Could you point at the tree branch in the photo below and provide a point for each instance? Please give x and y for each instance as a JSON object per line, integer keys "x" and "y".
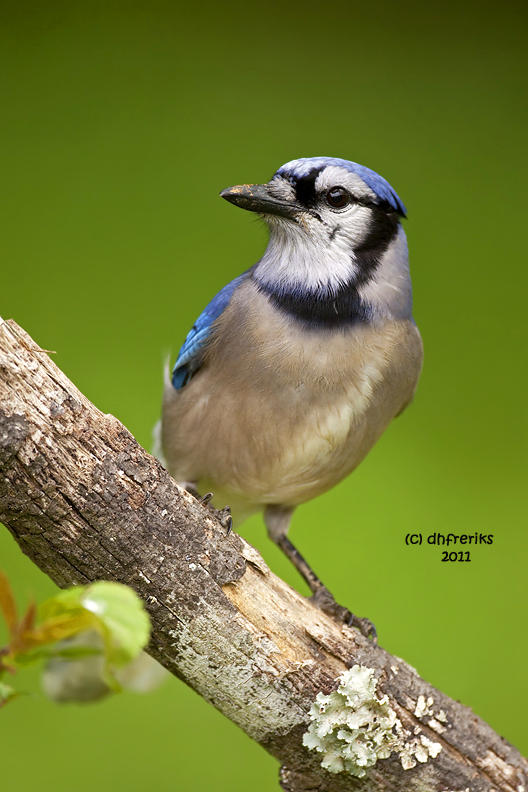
{"x": 85, "y": 502}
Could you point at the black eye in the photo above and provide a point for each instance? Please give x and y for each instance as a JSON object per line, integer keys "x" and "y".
{"x": 337, "y": 197}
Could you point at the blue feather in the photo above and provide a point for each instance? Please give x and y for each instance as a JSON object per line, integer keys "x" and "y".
{"x": 191, "y": 354}
{"x": 301, "y": 167}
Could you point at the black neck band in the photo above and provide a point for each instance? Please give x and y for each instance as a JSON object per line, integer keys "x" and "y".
{"x": 341, "y": 308}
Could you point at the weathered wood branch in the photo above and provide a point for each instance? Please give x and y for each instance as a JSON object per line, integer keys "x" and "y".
{"x": 85, "y": 502}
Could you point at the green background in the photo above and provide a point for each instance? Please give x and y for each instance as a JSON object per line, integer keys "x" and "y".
{"x": 120, "y": 124}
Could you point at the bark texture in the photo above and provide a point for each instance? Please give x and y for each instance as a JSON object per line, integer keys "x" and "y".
{"x": 85, "y": 502}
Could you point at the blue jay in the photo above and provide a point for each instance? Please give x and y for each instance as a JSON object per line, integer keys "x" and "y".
{"x": 296, "y": 367}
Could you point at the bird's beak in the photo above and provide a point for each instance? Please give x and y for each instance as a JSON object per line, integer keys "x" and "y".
{"x": 257, "y": 198}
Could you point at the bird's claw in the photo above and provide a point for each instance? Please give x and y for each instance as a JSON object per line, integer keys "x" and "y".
{"x": 365, "y": 626}
{"x": 224, "y": 515}
{"x": 325, "y": 600}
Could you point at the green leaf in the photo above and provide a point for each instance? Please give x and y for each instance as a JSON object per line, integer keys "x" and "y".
{"x": 65, "y": 603}
{"x": 125, "y": 623}
{"x": 113, "y": 609}
{"x": 111, "y": 613}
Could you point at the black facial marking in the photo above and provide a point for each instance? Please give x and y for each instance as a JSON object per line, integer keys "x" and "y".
{"x": 320, "y": 311}
{"x": 305, "y": 188}
{"x": 385, "y": 206}
{"x": 383, "y": 228}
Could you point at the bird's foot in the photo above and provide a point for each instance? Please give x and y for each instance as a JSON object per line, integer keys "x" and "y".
{"x": 325, "y": 600}
{"x": 224, "y": 515}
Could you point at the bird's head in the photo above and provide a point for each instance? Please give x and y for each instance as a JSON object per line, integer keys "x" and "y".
{"x": 329, "y": 190}
{"x": 330, "y": 221}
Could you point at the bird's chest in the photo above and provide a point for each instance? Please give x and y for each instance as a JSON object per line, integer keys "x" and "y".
{"x": 300, "y": 408}
{"x": 324, "y": 388}
{"x": 331, "y": 374}
{"x": 308, "y": 393}
{"x": 297, "y": 376}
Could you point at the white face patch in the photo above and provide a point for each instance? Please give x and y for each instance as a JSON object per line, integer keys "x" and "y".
{"x": 316, "y": 253}
{"x": 300, "y": 256}
{"x": 352, "y": 223}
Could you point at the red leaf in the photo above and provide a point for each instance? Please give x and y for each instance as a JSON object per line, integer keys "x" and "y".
{"x": 8, "y": 605}
{"x": 27, "y": 623}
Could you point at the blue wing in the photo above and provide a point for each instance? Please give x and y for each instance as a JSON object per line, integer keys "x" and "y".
{"x": 190, "y": 355}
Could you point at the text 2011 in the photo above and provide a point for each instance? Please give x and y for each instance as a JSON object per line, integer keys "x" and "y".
{"x": 462, "y": 556}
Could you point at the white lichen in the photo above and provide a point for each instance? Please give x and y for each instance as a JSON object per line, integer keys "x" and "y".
{"x": 418, "y": 749}
{"x": 421, "y": 707}
{"x": 436, "y": 726}
{"x": 424, "y": 707}
{"x": 353, "y": 728}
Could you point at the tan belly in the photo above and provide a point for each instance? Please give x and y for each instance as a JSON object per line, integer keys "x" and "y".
{"x": 287, "y": 425}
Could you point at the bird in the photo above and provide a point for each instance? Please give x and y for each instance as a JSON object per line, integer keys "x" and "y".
{"x": 297, "y": 366}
